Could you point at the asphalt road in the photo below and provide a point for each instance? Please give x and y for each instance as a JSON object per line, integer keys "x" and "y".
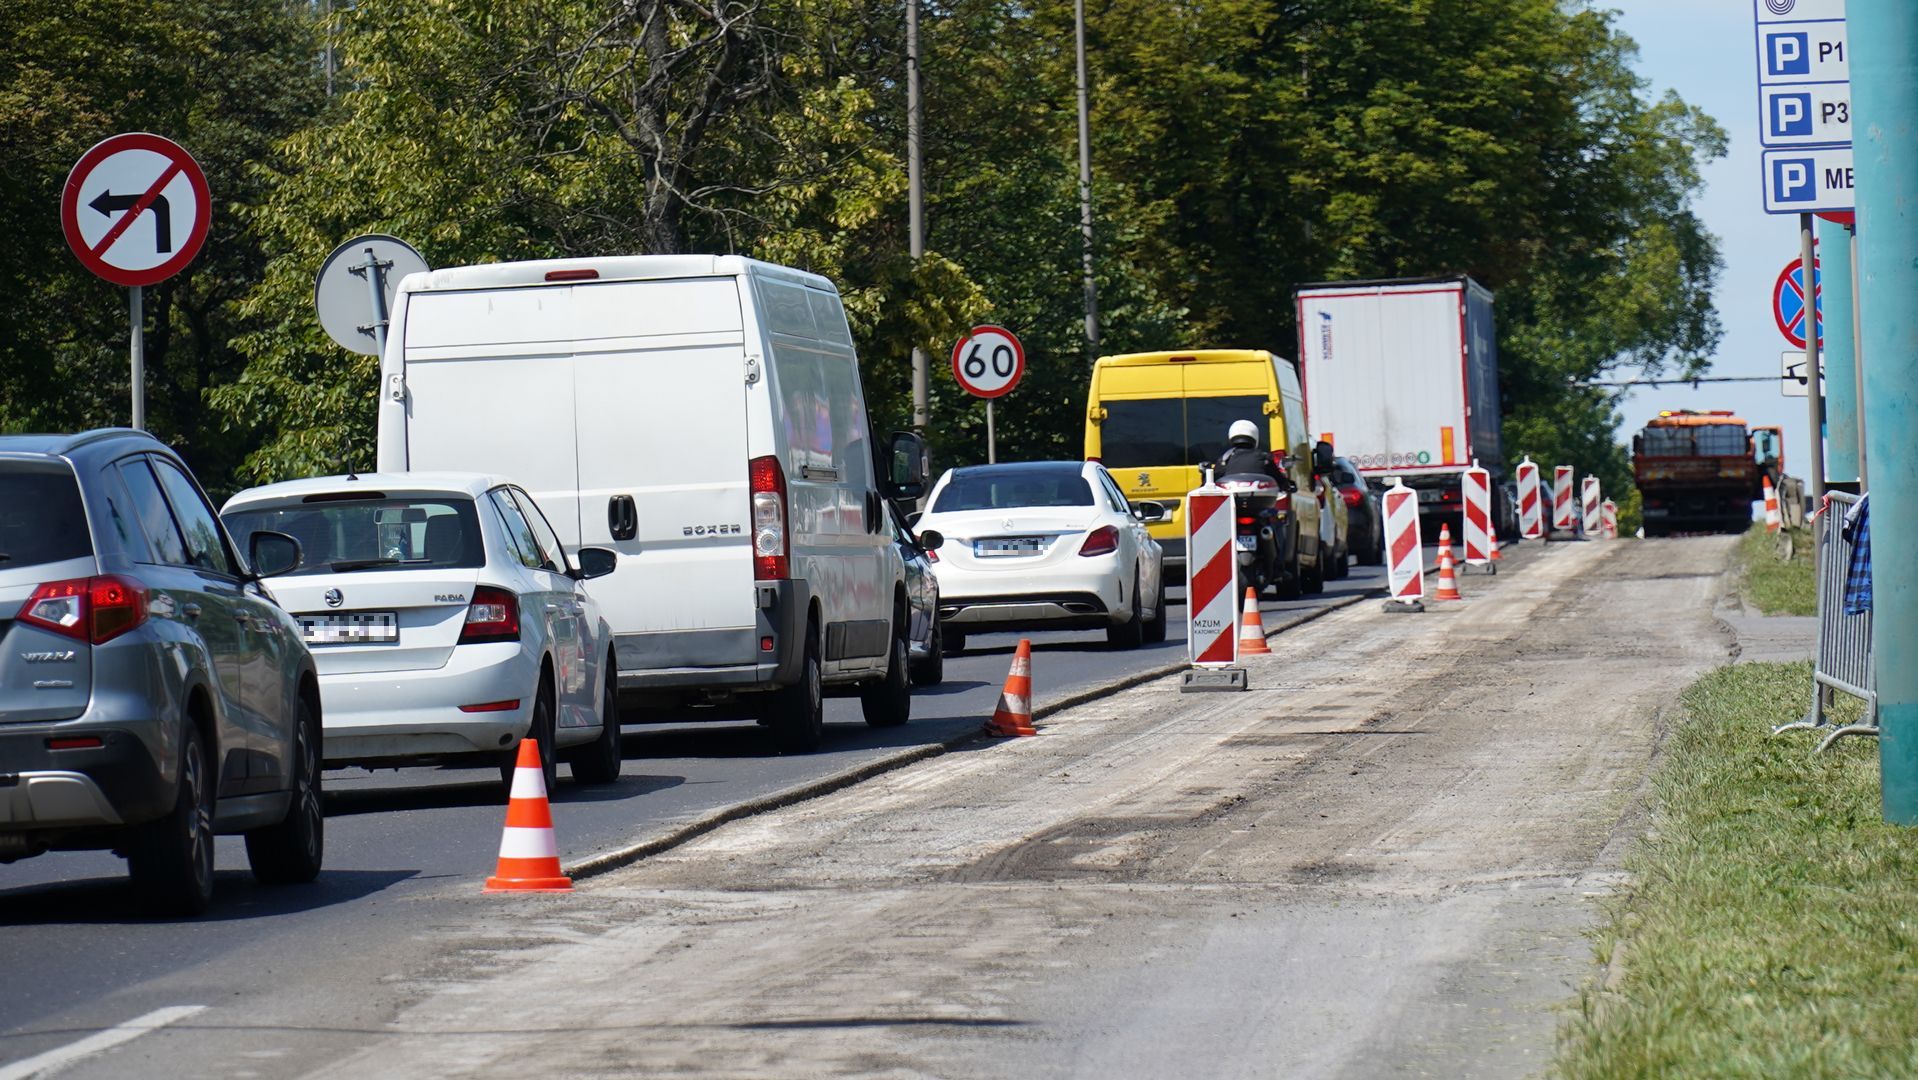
{"x": 402, "y": 845}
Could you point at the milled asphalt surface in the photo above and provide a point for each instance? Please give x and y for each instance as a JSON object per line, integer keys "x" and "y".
{"x": 401, "y": 844}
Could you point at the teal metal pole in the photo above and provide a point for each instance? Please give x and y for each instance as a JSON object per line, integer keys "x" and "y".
{"x": 1841, "y": 386}
{"x": 1883, "y": 35}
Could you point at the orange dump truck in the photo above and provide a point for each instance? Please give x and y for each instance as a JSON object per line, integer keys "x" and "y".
{"x": 1700, "y": 471}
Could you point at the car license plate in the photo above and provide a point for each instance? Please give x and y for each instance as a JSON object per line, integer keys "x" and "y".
{"x": 351, "y": 628}
{"x": 1429, "y": 495}
{"x": 1248, "y": 543}
{"x": 1014, "y": 545}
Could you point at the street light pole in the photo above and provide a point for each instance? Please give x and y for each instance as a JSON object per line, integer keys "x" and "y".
{"x": 1814, "y": 385}
{"x": 1085, "y": 181}
{"x": 916, "y": 201}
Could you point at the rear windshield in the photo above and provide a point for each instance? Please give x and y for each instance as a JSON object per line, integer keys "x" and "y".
{"x": 1148, "y": 433}
{"x": 431, "y": 533}
{"x": 1003, "y": 489}
{"x": 41, "y": 517}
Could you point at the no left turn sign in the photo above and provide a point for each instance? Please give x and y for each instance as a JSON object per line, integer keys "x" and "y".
{"x": 988, "y": 361}
{"x": 136, "y": 209}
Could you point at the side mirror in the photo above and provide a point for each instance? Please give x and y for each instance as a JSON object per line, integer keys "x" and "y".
{"x": 932, "y": 539}
{"x": 594, "y": 562}
{"x": 1322, "y": 457}
{"x": 906, "y": 466}
{"x": 1149, "y": 512}
{"x": 273, "y": 554}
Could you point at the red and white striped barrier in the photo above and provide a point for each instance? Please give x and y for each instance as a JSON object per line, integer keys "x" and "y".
{"x": 1531, "y": 512}
{"x": 1608, "y": 519}
{"x": 1773, "y": 520}
{"x": 1212, "y": 584}
{"x": 1404, "y": 554}
{"x": 1476, "y": 484}
{"x": 1564, "y": 517}
{"x": 1591, "y": 496}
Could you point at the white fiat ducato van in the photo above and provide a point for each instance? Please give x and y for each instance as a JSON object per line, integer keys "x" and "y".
{"x": 702, "y": 416}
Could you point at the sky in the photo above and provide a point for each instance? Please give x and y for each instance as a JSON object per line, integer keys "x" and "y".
{"x": 1705, "y": 50}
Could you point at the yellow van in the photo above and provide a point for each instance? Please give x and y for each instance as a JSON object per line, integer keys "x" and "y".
{"x": 1152, "y": 418}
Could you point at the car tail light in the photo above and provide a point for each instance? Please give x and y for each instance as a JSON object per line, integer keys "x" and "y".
{"x": 1353, "y": 496}
{"x": 1282, "y": 503}
{"x": 95, "y": 609}
{"x": 771, "y": 556}
{"x": 1103, "y": 540}
{"x": 492, "y": 706}
{"x": 1096, "y": 460}
{"x": 492, "y": 616}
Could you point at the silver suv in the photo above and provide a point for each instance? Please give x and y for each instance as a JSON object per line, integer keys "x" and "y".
{"x": 151, "y": 693}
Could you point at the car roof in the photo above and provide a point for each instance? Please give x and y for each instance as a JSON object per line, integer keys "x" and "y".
{"x": 56, "y": 445}
{"x": 409, "y": 483}
{"x": 1017, "y": 467}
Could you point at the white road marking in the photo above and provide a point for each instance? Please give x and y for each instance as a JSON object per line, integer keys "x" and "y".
{"x": 62, "y": 1056}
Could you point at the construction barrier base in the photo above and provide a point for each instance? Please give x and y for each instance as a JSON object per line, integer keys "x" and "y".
{"x": 1404, "y": 607}
{"x": 1212, "y": 680}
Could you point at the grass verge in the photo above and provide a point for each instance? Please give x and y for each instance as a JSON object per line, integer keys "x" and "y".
{"x": 1771, "y": 927}
{"x": 1773, "y": 585}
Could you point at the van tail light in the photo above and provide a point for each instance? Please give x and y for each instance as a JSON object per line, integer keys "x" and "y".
{"x": 1096, "y": 460}
{"x": 1103, "y": 540}
{"x": 492, "y": 616}
{"x": 771, "y": 551}
{"x": 1353, "y": 496}
{"x": 94, "y": 610}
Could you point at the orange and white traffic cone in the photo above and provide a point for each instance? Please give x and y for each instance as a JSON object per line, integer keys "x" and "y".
{"x": 1773, "y": 521}
{"x": 528, "y": 850}
{"x": 1495, "y": 556}
{"x": 1447, "y": 572}
{"x": 1014, "y": 715}
{"x": 1251, "y": 628}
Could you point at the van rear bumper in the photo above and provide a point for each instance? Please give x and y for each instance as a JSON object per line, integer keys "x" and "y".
{"x": 728, "y": 658}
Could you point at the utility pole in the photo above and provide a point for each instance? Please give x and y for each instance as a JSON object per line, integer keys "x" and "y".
{"x": 1085, "y": 182}
{"x": 1858, "y": 365}
{"x": 1884, "y": 96}
{"x": 1841, "y": 384}
{"x": 916, "y": 200}
{"x": 1814, "y": 390}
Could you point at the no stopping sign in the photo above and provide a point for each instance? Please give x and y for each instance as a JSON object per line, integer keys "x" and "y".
{"x": 988, "y": 361}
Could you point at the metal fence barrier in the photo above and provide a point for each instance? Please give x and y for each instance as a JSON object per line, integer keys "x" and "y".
{"x": 1844, "y": 660}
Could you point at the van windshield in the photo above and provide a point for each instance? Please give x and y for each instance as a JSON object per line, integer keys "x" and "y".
{"x": 1146, "y": 433}
{"x": 337, "y": 537}
{"x": 41, "y": 519}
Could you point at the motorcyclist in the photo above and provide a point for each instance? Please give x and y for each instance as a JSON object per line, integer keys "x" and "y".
{"x": 1243, "y": 456}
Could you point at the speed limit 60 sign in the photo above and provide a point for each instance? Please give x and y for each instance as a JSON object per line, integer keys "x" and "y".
{"x": 988, "y": 361}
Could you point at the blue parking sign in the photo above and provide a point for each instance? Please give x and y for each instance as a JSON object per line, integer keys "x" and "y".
{"x": 1794, "y": 180}
{"x": 1788, "y": 54}
{"x": 1790, "y": 115}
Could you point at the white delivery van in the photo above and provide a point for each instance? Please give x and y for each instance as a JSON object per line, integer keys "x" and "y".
{"x": 703, "y": 416}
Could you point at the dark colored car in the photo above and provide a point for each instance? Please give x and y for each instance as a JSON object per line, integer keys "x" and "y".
{"x": 152, "y": 694}
{"x": 1366, "y": 535}
{"x": 925, "y": 643}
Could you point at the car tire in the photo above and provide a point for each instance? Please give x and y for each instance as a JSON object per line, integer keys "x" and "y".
{"x": 888, "y": 702}
{"x": 171, "y": 859}
{"x": 797, "y": 713}
{"x": 541, "y": 732}
{"x": 931, "y": 669}
{"x": 1129, "y": 634}
{"x": 1373, "y": 552}
{"x": 1156, "y": 627}
{"x": 952, "y": 642}
{"x": 290, "y": 853}
{"x": 599, "y": 761}
{"x": 1290, "y": 582}
{"x": 1313, "y": 583}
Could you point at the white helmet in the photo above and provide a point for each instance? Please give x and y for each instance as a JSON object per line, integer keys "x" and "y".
{"x": 1243, "y": 429}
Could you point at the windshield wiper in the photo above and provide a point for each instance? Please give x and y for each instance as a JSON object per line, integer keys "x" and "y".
{"x": 360, "y": 564}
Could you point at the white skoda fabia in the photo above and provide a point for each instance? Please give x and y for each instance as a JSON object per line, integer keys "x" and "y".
{"x": 1043, "y": 545}
{"x": 445, "y": 620}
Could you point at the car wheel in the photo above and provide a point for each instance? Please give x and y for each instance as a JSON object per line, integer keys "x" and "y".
{"x": 1155, "y": 628}
{"x": 1288, "y": 584}
{"x": 888, "y": 703}
{"x": 599, "y": 761}
{"x": 290, "y": 853}
{"x": 1312, "y": 583}
{"x": 171, "y": 860}
{"x": 953, "y": 641}
{"x": 1129, "y": 634}
{"x": 930, "y": 670}
{"x": 541, "y": 732}
{"x": 796, "y": 713}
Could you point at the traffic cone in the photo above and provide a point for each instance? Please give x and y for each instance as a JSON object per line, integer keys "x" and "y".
{"x": 528, "y": 851}
{"x": 1014, "y": 714}
{"x": 1495, "y": 556}
{"x": 1251, "y": 629}
{"x": 1447, "y": 574}
{"x": 1445, "y": 544}
{"x": 1772, "y": 519}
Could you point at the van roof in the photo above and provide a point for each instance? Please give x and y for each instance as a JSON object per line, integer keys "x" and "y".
{"x": 1186, "y": 356}
{"x": 607, "y": 268}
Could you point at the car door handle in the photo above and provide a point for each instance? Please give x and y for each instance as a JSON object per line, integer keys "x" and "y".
{"x": 191, "y": 611}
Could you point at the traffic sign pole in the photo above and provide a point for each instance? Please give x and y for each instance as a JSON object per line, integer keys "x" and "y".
{"x": 1837, "y": 355}
{"x": 136, "y": 318}
{"x": 1885, "y": 92}
{"x": 1814, "y": 390}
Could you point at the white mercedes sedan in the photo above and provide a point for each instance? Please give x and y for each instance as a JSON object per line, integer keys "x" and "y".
{"x": 445, "y": 620}
{"x": 1043, "y": 545}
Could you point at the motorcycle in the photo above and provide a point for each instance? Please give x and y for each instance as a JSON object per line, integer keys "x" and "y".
{"x": 1260, "y": 506}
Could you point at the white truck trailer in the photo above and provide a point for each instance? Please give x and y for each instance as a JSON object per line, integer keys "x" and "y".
{"x": 1401, "y": 377}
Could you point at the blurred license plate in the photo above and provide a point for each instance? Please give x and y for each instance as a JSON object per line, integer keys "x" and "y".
{"x": 1017, "y": 545}
{"x": 1248, "y": 543}
{"x": 1430, "y": 495}
{"x": 351, "y": 628}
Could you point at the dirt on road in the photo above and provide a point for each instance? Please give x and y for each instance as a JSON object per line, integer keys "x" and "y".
{"x": 1378, "y": 862}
